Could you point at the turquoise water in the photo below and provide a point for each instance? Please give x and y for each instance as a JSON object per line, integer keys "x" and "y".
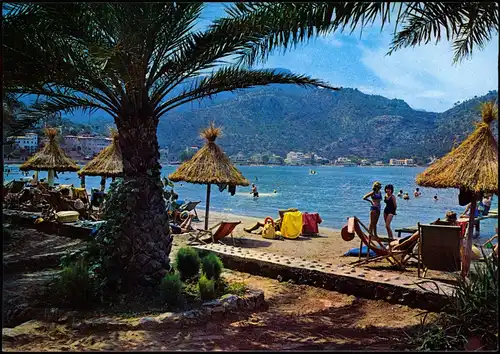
{"x": 334, "y": 192}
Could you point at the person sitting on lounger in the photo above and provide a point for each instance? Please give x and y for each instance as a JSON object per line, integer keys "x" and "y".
{"x": 450, "y": 219}
{"x": 184, "y": 227}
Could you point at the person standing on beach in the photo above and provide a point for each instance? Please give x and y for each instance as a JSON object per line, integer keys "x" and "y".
{"x": 390, "y": 208}
{"x": 376, "y": 198}
{"x": 254, "y": 191}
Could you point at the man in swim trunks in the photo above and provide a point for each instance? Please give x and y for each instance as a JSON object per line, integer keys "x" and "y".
{"x": 254, "y": 191}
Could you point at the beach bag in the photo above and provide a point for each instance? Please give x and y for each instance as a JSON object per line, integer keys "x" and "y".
{"x": 269, "y": 231}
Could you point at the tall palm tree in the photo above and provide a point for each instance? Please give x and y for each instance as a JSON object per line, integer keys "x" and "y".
{"x": 126, "y": 59}
{"x": 467, "y": 24}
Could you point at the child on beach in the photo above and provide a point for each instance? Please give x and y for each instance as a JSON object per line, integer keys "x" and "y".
{"x": 376, "y": 197}
{"x": 390, "y": 208}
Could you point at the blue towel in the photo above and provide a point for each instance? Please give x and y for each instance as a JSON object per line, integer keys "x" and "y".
{"x": 354, "y": 252}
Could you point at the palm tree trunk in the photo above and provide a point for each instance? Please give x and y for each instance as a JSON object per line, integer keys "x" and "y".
{"x": 143, "y": 242}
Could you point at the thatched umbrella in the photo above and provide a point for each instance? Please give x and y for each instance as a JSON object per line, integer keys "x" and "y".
{"x": 472, "y": 167}
{"x": 51, "y": 158}
{"x": 108, "y": 163}
{"x": 209, "y": 166}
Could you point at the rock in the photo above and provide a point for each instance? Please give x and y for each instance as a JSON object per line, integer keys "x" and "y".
{"x": 27, "y": 331}
{"x": 230, "y": 302}
{"x": 218, "y": 309}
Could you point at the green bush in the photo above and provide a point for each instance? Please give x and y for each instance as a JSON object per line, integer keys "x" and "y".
{"x": 171, "y": 288}
{"x": 76, "y": 285}
{"x": 211, "y": 266}
{"x": 472, "y": 313}
{"x": 207, "y": 288}
{"x": 236, "y": 288}
{"x": 188, "y": 262}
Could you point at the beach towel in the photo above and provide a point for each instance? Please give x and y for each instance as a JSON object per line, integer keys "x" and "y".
{"x": 291, "y": 225}
{"x": 310, "y": 223}
{"x": 354, "y": 252}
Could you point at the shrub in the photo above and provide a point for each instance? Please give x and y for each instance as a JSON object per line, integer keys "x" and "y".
{"x": 207, "y": 288}
{"x": 211, "y": 266}
{"x": 472, "y": 313}
{"x": 188, "y": 262}
{"x": 76, "y": 285}
{"x": 236, "y": 288}
{"x": 171, "y": 288}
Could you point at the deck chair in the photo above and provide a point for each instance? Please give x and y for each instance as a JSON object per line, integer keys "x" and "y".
{"x": 15, "y": 186}
{"x": 57, "y": 202}
{"x": 224, "y": 228}
{"x": 190, "y": 206}
{"x": 398, "y": 255}
{"x": 439, "y": 248}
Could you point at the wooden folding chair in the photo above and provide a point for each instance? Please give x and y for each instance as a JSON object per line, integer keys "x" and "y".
{"x": 439, "y": 248}
{"x": 224, "y": 228}
{"x": 190, "y": 206}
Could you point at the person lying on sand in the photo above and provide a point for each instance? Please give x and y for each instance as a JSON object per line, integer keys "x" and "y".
{"x": 259, "y": 224}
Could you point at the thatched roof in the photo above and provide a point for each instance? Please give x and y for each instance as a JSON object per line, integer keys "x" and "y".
{"x": 209, "y": 165}
{"x": 108, "y": 162}
{"x": 51, "y": 157}
{"x": 473, "y": 165}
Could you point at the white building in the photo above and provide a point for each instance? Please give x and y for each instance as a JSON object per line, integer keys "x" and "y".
{"x": 295, "y": 158}
{"x": 257, "y": 158}
{"x": 28, "y": 142}
{"x": 379, "y": 163}
{"x": 275, "y": 160}
{"x": 238, "y": 158}
{"x": 365, "y": 162}
{"x": 401, "y": 162}
{"x": 88, "y": 145}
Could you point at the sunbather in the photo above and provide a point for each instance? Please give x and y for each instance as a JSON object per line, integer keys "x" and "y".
{"x": 259, "y": 224}
{"x": 450, "y": 219}
{"x": 184, "y": 227}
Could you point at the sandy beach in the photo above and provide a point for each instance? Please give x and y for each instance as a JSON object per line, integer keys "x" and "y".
{"x": 327, "y": 246}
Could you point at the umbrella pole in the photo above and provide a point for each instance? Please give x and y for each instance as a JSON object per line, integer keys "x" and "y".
{"x": 468, "y": 250}
{"x": 36, "y": 175}
{"x": 82, "y": 181}
{"x": 51, "y": 178}
{"x": 103, "y": 183}
{"x": 207, "y": 206}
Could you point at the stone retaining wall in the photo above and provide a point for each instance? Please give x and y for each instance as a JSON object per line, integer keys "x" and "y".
{"x": 350, "y": 282}
{"x": 252, "y": 300}
{"x": 27, "y": 219}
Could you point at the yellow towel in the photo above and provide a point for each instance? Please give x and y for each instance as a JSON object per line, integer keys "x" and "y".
{"x": 291, "y": 226}
{"x": 80, "y": 193}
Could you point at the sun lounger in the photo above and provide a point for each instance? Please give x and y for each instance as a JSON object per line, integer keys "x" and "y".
{"x": 225, "y": 228}
{"x": 439, "y": 248}
{"x": 397, "y": 255}
{"x": 190, "y": 206}
{"x": 15, "y": 186}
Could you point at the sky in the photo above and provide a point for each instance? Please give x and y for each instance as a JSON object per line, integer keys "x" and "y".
{"x": 424, "y": 76}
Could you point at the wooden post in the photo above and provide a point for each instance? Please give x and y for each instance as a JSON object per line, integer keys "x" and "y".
{"x": 51, "y": 178}
{"x": 82, "y": 181}
{"x": 103, "y": 183}
{"x": 36, "y": 175}
{"x": 468, "y": 249}
{"x": 207, "y": 206}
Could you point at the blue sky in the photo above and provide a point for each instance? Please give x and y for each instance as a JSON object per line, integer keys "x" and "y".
{"x": 423, "y": 76}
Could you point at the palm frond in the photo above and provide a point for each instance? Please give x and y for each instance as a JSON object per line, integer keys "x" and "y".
{"x": 231, "y": 79}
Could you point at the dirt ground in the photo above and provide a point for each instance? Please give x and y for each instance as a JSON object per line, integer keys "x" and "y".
{"x": 299, "y": 317}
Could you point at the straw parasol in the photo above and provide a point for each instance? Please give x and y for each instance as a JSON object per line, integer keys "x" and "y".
{"x": 209, "y": 166}
{"x": 108, "y": 163}
{"x": 51, "y": 158}
{"x": 472, "y": 166}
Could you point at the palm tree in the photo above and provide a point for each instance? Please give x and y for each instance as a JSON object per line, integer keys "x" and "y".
{"x": 467, "y": 24}
{"x": 127, "y": 60}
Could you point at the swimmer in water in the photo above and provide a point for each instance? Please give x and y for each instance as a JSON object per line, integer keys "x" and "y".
{"x": 254, "y": 191}
{"x": 274, "y": 191}
{"x": 435, "y": 198}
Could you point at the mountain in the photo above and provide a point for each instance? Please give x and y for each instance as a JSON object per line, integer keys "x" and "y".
{"x": 281, "y": 118}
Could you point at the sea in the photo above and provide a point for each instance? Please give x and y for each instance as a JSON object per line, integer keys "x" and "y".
{"x": 333, "y": 192}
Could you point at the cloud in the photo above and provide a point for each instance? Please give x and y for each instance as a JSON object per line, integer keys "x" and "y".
{"x": 425, "y": 77}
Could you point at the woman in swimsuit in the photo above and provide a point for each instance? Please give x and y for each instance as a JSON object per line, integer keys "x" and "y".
{"x": 376, "y": 197}
{"x": 390, "y": 208}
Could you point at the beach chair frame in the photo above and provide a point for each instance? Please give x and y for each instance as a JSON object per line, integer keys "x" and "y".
{"x": 224, "y": 228}
{"x": 190, "y": 206}
{"x": 396, "y": 258}
{"x": 441, "y": 249}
